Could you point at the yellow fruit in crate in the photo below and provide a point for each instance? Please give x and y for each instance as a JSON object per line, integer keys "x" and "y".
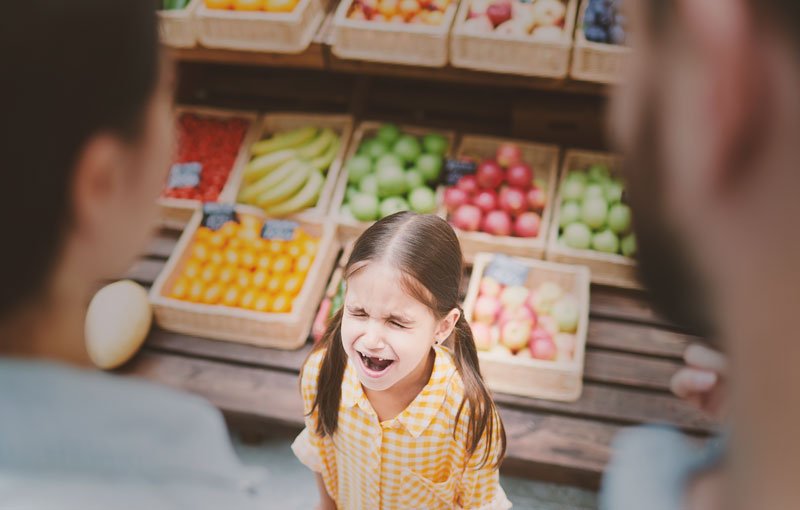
{"x": 216, "y": 240}
{"x": 227, "y": 274}
{"x": 229, "y": 229}
{"x": 409, "y": 8}
{"x": 275, "y": 247}
{"x": 231, "y": 296}
{"x": 247, "y": 5}
{"x": 388, "y": 8}
{"x": 232, "y": 257}
{"x": 248, "y": 299}
{"x": 274, "y": 284}
{"x": 192, "y": 269}
{"x": 209, "y": 274}
{"x": 303, "y": 263}
{"x": 244, "y": 279}
{"x": 293, "y": 284}
{"x": 259, "y": 245}
{"x": 282, "y": 304}
{"x": 200, "y": 252}
{"x": 281, "y": 265}
{"x": 236, "y": 243}
{"x": 247, "y": 259}
{"x": 196, "y": 290}
{"x": 264, "y": 262}
{"x": 294, "y": 250}
{"x": 181, "y": 289}
{"x": 219, "y": 4}
{"x": 310, "y": 247}
{"x": 263, "y": 303}
{"x": 260, "y": 279}
{"x": 203, "y": 234}
{"x": 280, "y": 5}
{"x": 212, "y": 294}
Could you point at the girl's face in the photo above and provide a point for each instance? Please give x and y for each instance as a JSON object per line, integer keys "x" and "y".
{"x": 386, "y": 333}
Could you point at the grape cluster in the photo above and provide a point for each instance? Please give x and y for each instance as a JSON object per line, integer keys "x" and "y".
{"x": 604, "y": 22}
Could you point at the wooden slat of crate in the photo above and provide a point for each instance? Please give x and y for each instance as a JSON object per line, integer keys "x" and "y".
{"x": 601, "y": 63}
{"x": 177, "y": 28}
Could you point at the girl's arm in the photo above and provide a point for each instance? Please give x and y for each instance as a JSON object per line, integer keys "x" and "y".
{"x": 325, "y": 500}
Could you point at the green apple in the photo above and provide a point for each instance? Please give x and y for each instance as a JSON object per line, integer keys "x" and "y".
{"x": 364, "y": 207}
{"x": 392, "y": 205}
{"x": 391, "y": 181}
{"x": 369, "y": 185}
{"x": 422, "y": 200}
{"x": 594, "y": 212}
{"x": 414, "y": 178}
{"x": 348, "y": 194}
{"x": 365, "y": 146}
{"x": 578, "y": 236}
{"x": 628, "y": 245}
{"x": 407, "y": 147}
{"x": 430, "y": 167}
{"x": 598, "y": 173}
{"x": 570, "y": 213}
{"x": 619, "y": 218}
{"x": 577, "y": 175}
{"x": 357, "y": 168}
{"x": 613, "y": 191}
{"x": 606, "y": 242}
{"x": 346, "y": 213}
{"x": 388, "y": 160}
{"x": 573, "y": 189}
{"x": 435, "y": 144}
{"x": 377, "y": 149}
{"x": 388, "y": 134}
{"x": 594, "y": 191}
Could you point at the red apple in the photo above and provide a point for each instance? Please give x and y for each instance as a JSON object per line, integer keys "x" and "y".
{"x": 543, "y": 347}
{"x": 523, "y": 314}
{"x": 468, "y": 183}
{"x": 467, "y": 217}
{"x": 455, "y": 198}
{"x": 489, "y": 287}
{"x": 508, "y": 153}
{"x": 520, "y": 175}
{"x": 512, "y": 201}
{"x": 497, "y": 223}
{"x": 548, "y": 324}
{"x": 527, "y": 224}
{"x": 490, "y": 175}
{"x": 486, "y": 309}
{"x": 482, "y": 334}
{"x": 537, "y": 199}
{"x": 516, "y": 334}
{"x": 499, "y": 12}
{"x": 486, "y": 200}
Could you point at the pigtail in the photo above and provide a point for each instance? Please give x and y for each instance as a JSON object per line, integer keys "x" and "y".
{"x": 484, "y": 420}
{"x": 329, "y": 382}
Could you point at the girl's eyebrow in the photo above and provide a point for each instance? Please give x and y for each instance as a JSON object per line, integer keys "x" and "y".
{"x": 398, "y": 318}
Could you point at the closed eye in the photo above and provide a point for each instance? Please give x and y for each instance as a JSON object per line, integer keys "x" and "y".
{"x": 357, "y": 312}
{"x": 398, "y": 325}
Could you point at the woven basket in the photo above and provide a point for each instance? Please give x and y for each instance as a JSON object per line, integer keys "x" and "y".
{"x": 544, "y": 159}
{"x": 500, "y": 53}
{"x": 393, "y": 43}
{"x": 553, "y": 380}
{"x": 607, "y": 268}
{"x": 289, "y": 32}
{"x": 603, "y": 63}
{"x": 276, "y": 330}
{"x": 177, "y": 27}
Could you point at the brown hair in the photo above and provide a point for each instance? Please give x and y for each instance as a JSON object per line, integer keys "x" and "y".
{"x": 427, "y": 252}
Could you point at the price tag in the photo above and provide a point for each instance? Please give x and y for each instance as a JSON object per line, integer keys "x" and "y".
{"x": 281, "y": 230}
{"x": 455, "y": 169}
{"x": 215, "y": 215}
{"x": 184, "y": 175}
{"x": 507, "y": 271}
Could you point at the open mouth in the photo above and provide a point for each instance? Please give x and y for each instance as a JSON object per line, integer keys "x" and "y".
{"x": 375, "y": 364}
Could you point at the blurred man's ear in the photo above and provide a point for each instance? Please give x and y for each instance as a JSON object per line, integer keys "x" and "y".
{"x": 723, "y": 35}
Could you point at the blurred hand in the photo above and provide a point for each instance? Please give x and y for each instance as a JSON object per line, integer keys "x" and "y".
{"x": 701, "y": 382}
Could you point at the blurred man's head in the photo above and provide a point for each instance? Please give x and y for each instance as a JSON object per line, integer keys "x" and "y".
{"x": 709, "y": 120}
{"x": 86, "y": 139}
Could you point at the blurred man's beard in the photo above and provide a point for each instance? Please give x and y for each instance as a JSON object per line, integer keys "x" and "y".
{"x": 664, "y": 264}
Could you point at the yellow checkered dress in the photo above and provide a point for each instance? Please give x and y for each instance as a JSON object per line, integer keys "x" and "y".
{"x": 410, "y": 462}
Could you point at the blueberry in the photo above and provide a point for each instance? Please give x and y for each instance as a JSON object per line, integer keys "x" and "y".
{"x": 617, "y": 35}
{"x": 590, "y": 18}
{"x": 620, "y": 20}
{"x": 596, "y": 34}
{"x": 605, "y": 19}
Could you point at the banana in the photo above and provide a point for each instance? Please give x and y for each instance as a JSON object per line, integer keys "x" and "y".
{"x": 284, "y": 140}
{"x": 318, "y": 146}
{"x": 306, "y": 197}
{"x": 250, "y": 193}
{"x": 286, "y": 187}
{"x": 322, "y": 163}
{"x": 263, "y": 165}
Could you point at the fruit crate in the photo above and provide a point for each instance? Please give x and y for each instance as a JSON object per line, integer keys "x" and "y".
{"x": 176, "y": 212}
{"x": 528, "y": 377}
{"x": 544, "y": 160}
{"x": 591, "y": 61}
{"x": 349, "y": 228}
{"x": 341, "y": 124}
{"x": 512, "y": 54}
{"x": 177, "y": 27}
{"x": 264, "y": 329}
{"x": 607, "y": 268}
{"x": 289, "y": 32}
{"x": 393, "y": 43}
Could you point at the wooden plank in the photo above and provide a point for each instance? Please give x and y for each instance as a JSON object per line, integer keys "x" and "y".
{"x": 629, "y": 370}
{"x": 625, "y": 305}
{"x": 312, "y": 58}
{"x": 637, "y": 338}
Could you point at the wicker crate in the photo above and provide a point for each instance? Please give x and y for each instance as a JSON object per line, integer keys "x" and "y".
{"x": 603, "y": 63}
{"x": 289, "y": 32}
{"x": 500, "y": 53}
{"x": 177, "y": 27}
{"x": 349, "y": 229}
{"x": 174, "y": 212}
{"x": 276, "y": 330}
{"x": 554, "y": 380}
{"x": 393, "y": 43}
{"x": 544, "y": 160}
{"x": 607, "y": 268}
{"x": 342, "y": 124}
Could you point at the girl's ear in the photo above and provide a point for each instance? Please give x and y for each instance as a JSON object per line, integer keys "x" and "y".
{"x": 445, "y": 327}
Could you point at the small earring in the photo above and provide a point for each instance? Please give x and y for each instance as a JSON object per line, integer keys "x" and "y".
{"x": 437, "y": 341}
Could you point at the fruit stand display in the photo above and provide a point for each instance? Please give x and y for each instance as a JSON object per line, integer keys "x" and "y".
{"x": 388, "y": 169}
{"x": 412, "y": 32}
{"x": 236, "y": 275}
{"x": 530, "y": 321}
{"x": 591, "y": 224}
{"x": 212, "y": 150}
{"x": 282, "y": 26}
{"x": 600, "y": 52}
{"x": 505, "y": 206}
{"x": 176, "y": 23}
{"x": 512, "y": 36}
{"x": 295, "y": 165}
